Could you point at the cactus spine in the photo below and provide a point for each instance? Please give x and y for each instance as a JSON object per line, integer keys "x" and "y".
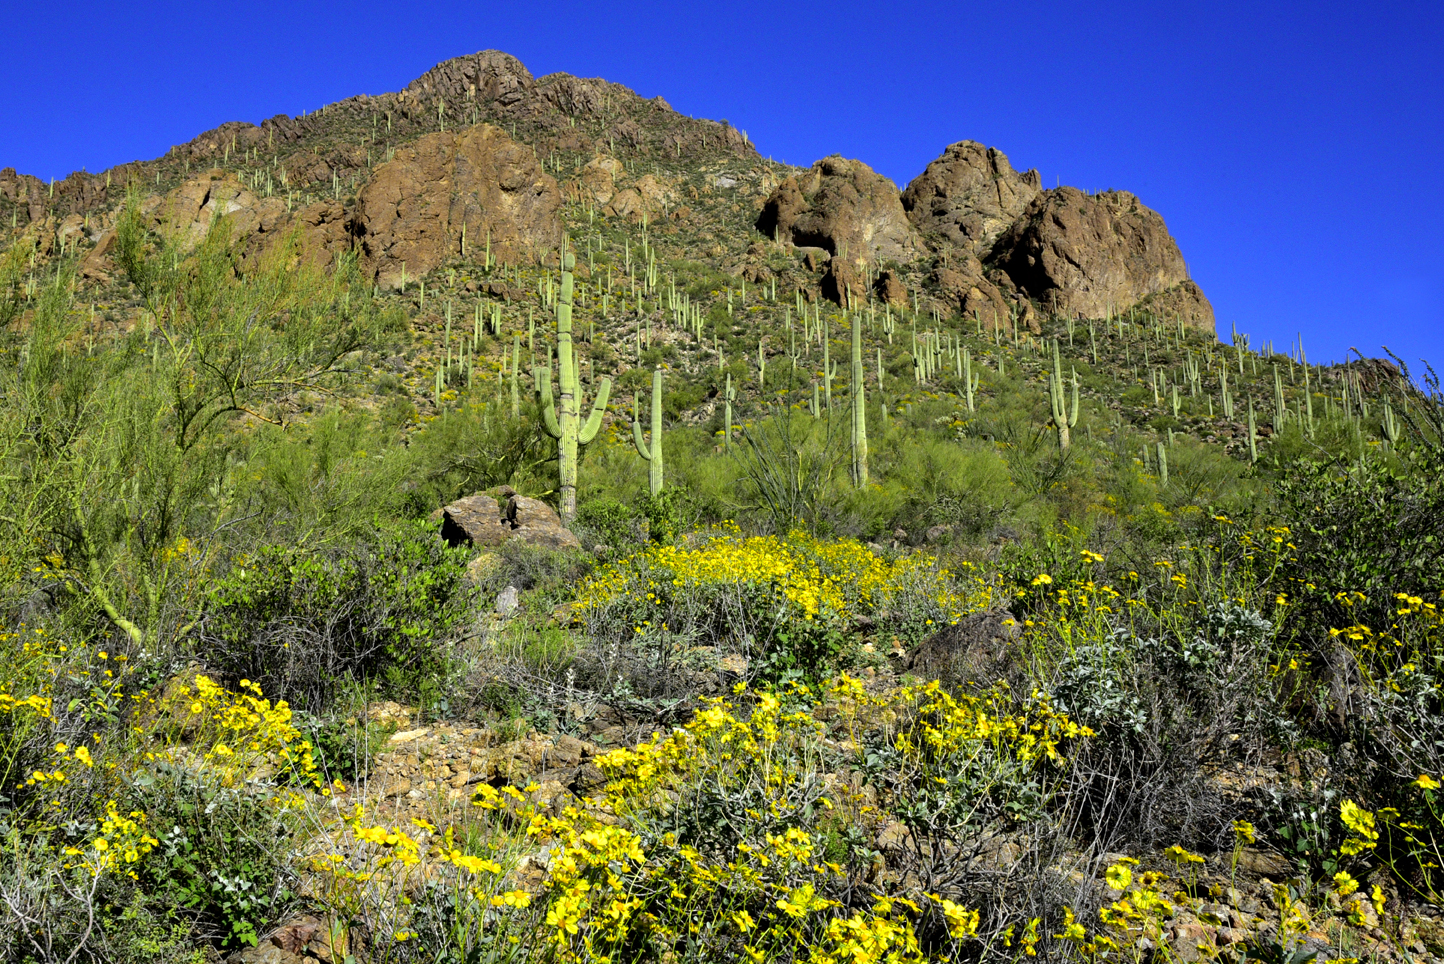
{"x": 1061, "y": 416}
{"x": 652, "y": 453}
{"x": 859, "y": 407}
{"x": 560, "y": 417}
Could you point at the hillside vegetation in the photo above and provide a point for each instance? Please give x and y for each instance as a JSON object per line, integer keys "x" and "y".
{"x": 508, "y": 520}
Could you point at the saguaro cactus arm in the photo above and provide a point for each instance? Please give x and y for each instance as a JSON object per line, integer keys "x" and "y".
{"x": 546, "y": 405}
{"x": 593, "y": 423}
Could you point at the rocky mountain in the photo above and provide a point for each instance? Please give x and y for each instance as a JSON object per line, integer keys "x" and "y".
{"x": 479, "y": 153}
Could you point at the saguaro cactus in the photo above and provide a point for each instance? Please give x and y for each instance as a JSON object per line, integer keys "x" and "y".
{"x": 1061, "y": 416}
{"x": 970, "y": 381}
{"x": 728, "y": 394}
{"x": 560, "y": 417}
{"x": 652, "y": 453}
{"x": 515, "y": 364}
{"x": 1390, "y": 424}
{"x": 859, "y": 407}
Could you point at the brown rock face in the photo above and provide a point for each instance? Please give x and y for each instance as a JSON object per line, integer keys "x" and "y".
{"x": 965, "y": 288}
{"x": 1087, "y": 255}
{"x": 186, "y": 213}
{"x": 475, "y": 519}
{"x": 416, "y": 205}
{"x": 843, "y": 206}
{"x": 841, "y": 283}
{"x": 890, "y": 289}
{"x": 968, "y": 196}
{"x": 258, "y": 225}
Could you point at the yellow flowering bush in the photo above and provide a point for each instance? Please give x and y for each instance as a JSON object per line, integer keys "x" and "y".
{"x": 791, "y": 601}
{"x": 737, "y": 836}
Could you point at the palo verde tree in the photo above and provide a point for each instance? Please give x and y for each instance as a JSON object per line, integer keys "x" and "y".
{"x": 119, "y": 457}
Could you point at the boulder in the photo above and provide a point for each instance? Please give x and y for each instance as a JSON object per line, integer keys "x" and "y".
{"x": 478, "y": 520}
{"x": 1090, "y": 254}
{"x": 534, "y": 522}
{"x": 475, "y": 519}
{"x": 843, "y": 206}
{"x": 507, "y": 601}
{"x": 412, "y": 213}
{"x": 968, "y": 196}
{"x": 977, "y": 648}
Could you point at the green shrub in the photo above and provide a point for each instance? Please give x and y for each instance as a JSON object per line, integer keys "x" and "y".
{"x": 297, "y": 621}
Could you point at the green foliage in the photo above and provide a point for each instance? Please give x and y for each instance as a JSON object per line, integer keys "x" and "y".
{"x": 223, "y": 857}
{"x": 296, "y": 620}
{"x": 607, "y": 522}
{"x": 1374, "y": 527}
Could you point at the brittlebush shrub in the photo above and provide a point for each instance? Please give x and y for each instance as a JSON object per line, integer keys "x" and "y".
{"x": 791, "y": 603}
{"x": 737, "y": 837}
{"x": 190, "y": 806}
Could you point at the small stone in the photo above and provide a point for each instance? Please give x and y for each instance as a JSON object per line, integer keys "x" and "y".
{"x": 507, "y": 601}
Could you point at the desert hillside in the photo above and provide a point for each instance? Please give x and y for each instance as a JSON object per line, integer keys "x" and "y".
{"x": 509, "y": 520}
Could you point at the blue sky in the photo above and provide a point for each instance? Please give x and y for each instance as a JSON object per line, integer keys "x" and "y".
{"x": 1295, "y": 150}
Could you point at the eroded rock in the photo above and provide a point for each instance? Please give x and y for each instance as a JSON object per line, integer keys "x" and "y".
{"x": 844, "y": 207}
{"x": 968, "y": 196}
{"x": 412, "y": 214}
{"x": 1090, "y": 254}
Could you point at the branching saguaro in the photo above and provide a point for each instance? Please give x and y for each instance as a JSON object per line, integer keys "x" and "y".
{"x": 560, "y": 416}
{"x": 1062, "y": 417}
{"x": 651, "y": 453}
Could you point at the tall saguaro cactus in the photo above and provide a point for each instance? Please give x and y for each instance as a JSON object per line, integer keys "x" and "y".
{"x": 560, "y": 417}
{"x": 652, "y": 453}
{"x": 859, "y": 407}
{"x": 970, "y": 381}
{"x": 1061, "y": 416}
{"x": 728, "y": 395}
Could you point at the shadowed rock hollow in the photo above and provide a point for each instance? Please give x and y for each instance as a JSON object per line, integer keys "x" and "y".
{"x": 843, "y": 206}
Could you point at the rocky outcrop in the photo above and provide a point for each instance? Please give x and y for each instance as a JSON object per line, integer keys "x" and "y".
{"x": 841, "y": 282}
{"x": 843, "y": 206}
{"x": 257, "y": 225}
{"x": 968, "y": 196}
{"x": 1086, "y": 255}
{"x": 479, "y": 520}
{"x": 1184, "y": 301}
{"x": 965, "y": 288}
{"x": 413, "y": 212}
{"x": 186, "y": 214}
{"x": 890, "y": 289}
